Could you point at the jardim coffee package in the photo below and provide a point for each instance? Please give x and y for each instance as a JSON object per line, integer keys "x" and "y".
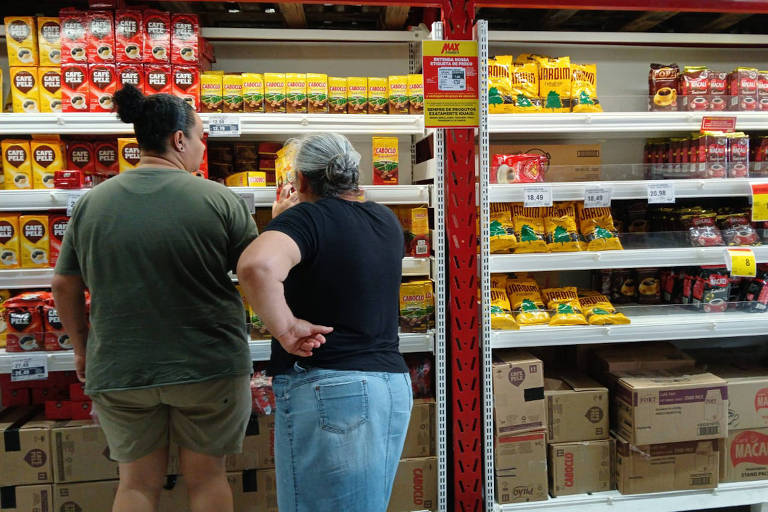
{"x": 185, "y": 34}
{"x": 22, "y": 41}
{"x": 74, "y": 36}
{"x": 157, "y": 79}
{"x": 102, "y": 87}
{"x": 25, "y": 90}
{"x": 101, "y": 37}
{"x": 49, "y": 41}
{"x": 74, "y": 87}
{"x": 50, "y": 89}
{"x": 132, "y": 74}
{"x": 157, "y": 37}
{"x": 129, "y": 36}
{"x": 186, "y": 84}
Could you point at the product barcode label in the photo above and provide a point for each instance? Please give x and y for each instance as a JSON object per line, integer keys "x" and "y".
{"x": 421, "y": 248}
{"x": 701, "y": 480}
{"x": 709, "y": 430}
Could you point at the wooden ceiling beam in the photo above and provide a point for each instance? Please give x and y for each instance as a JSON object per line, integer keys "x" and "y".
{"x": 647, "y": 21}
{"x": 293, "y": 14}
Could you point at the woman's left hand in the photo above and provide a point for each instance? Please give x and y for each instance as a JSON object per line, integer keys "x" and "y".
{"x": 288, "y": 198}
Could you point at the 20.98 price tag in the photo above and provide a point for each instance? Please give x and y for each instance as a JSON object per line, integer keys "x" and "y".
{"x": 741, "y": 262}
{"x": 597, "y": 197}
{"x": 661, "y": 193}
{"x": 535, "y": 197}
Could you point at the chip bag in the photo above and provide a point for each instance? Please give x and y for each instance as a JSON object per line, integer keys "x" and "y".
{"x": 525, "y": 297}
{"x": 600, "y": 311}
{"x": 584, "y": 88}
{"x": 501, "y": 314}
{"x": 529, "y": 229}
{"x": 560, "y": 225}
{"x": 524, "y": 87}
{"x": 597, "y": 228}
{"x": 502, "y": 233}
{"x": 500, "y": 98}
{"x": 564, "y": 302}
{"x": 555, "y": 83}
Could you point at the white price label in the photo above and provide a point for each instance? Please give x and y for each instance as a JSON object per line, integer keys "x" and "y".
{"x": 661, "y": 193}
{"x": 72, "y": 199}
{"x": 249, "y": 200}
{"x": 597, "y": 197}
{"x": 227, "y": 125}
{"x": 537, "y": 196}
{"x": 32, "y": 367}
{"x": 451, "y": 79}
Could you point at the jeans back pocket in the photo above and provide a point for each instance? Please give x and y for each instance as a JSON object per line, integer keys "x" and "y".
{"x": 343, "y": 406}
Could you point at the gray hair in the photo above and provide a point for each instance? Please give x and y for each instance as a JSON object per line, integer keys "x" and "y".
{"x": 329, "y": 162}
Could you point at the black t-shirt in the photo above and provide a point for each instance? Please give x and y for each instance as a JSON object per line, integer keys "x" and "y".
{"x": 349, "y": 279}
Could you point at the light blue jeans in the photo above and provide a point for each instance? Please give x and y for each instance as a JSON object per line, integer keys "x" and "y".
{"x": 338, "y": 438}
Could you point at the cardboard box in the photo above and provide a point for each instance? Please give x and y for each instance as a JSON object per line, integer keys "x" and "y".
{"x": 747, "y": 396}
{"x": 85, "y": 496}
{"x": 420, "y": 438}
{"x": 49, "y": 41}
{"x": 81, "y": 452}
{"x": 50, "y": 89}
{"x": 25, "y": 448}
{"x": 666, "y": 467}
{"x": 185, "y": 35}
{"x": 670, "y": 406}
{"x": 521, "y": 468}
{"x": 74, "y": 87}
{"x": 518, "y": 392}
{"x": 47, "y": 158}
{"x": 17, "y": 164}
{"x": 101, "y": 37}
{"x": 34, "y": 241}
{"x": 130, "y": 74}
{"x": 582, "y": 467}
{"x": 252, "y": 491}
{"x": 74, "y": 36}
{"x": 186, "y": 85}
{"x": 129, "y": 36}
{"x": 398, "y": 94}
{"x": 128, "y": 154}
{"x": 22, "y": 41}
{"x": 157, "y": 37}
{"x": 25, "y": 90}
{"x": 27, "y": 498}
{"x": 613, "y": 359}
{"x": 415, "y": 486}
{"x": 744, "y": 455}
{"x": 158, "y": 79}
{"x": 518, "y": 452}
{"x": 577, "y": 409}
{"x": 567, "y": 162}
{"x": 102, "y": 86}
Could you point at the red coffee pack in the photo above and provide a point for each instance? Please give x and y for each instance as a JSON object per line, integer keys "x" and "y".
{"x": 738, "y": 155}
{"x": 157, "y": 79}
{"x": 185, "y": 34}
{"x": 74, "y": 87}
{"x": 80, "y": 157}
{"x": 716, "y": 144}
{"x": 694, "y": 88}
{"x": 74, "y": 36}
{"x": 57, "y": 225}
{"x": 186, "y": 84}
{"x": 105, "y": 153}
{"x": 157, "y": 37}
{"x": 662, "y": 87}
{"x": 129, "y": 36}
{"x": 102, "y": 87}
{"x": 101, "y": 37}
{"x": 762, "y": 90}
{"x": 742, "y": 84}
{"x": 718, "y": 91}
{"x": 130, "y": 74}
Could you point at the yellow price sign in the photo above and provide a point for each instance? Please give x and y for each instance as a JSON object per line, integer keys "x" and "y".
{"x": 742, "y": 262}
{"x": 759, "y": 202}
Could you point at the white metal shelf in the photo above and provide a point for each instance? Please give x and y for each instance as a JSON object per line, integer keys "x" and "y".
{"x": 250, "y": 124}
{"x": 726, "y": 495}
{"x": 627, "y": 38}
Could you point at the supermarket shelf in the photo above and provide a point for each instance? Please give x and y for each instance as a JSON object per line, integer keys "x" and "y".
{"x": 251, "y": 124}
{"x": 627, "y": 38}
{"x": 417, "y": 267}
{"x": 617, "y": 123}
{"x": 632, "y": 258}
{"x": 652, "y": 327}
{"x": 327, "y": 36}
{"x": 638, "y": 189}
{"x": 260, "y": 351}
{"x": 726, "y": 495}
{"x": 29, "y": 200}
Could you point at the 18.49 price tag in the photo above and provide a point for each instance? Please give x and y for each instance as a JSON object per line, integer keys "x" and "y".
{"x": 535, "y": 197}
{"x": 597, "y": 197}
{"x": 741, "y": 262}
{"x": 661, "y": 193}
{"x": 32, "y": 367}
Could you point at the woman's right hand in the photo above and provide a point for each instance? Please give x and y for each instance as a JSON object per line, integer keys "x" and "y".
{"x": 288, "y": 198}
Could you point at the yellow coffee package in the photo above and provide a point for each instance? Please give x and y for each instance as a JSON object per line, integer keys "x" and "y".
{"x": 247, "y": 179}
{"x": 211, "y": 91}
{"x": 9, "y": 242}
{"x": 284, "y": 170}
{"x": 565, "y": 306}
{"x": 47, "y": 158}
{"x": 50, "y": 89}
{"x": 21, "y": 38}
{"x": 413, "y": 308}
{"x": 524, "y": 87}
{"x": 17, "y": 164}
{"x": 274, "y": 92}
{"x": 128, "y": 154}
{"x": 385, "y": 161}
{"x": 525, "y": 297}
{"x": 529, "y": 229}
{"x": 600, "y": 311}
{"x": 500, "y": 99}
{"x": 555, "y": 84}
{"x": 525, "y": 58}
{"x": 502, "y": 232}
{"x": 584, "y": 88}
{"x": 33, "y": 230}
{"x": 378, "y": 90}
{"x": 561, "y": 228}
{"x": 25, "y": 90}
{"x": 597, "y": 229}
{"x": 232, "y": 89}
{"x": 398, "y": 94}
{"x": 317, "y": 93}
{"x": 499, "y": 281}
{"x": 416, "y": 94}
{"x": 357, "y": 94}
{"x": 296, "y": 93}
{"x": 253, "y": 92}
{"x": 337, "y": 95}
{"x": 501, "y": 312}
{"x": 429, "y": 301}
{"x": 49, "y": 41}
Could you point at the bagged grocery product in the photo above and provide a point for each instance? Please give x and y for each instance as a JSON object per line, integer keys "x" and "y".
{"x": 357, "y": 95}
{"x": 737, "y": 229}
{"x": 501, "y": 312}
{"x": 337, "y": 95}
{"x": 253, "y": 92}
{"x": 702, "y": 229}
{"x": 502, "y": 232}
{"x": 597, "y": 228}
{"x": 711, "y": 289}
{"x": 21, "y": 38}
{"x": 49, "y": 41}
{"x": 398, "y": 94}
{"x": 157, "y": 37}
{"x": 413, "y": 308}
{"x": 296, "y": 93}
{"x": 584, "y": 88}
{"x": 561, "y": 229}
{"x": 185, "y": 39}
{"x": 129, "y": 36}
{"x": 555, "y": 84}
{"x": 378, "y": 100}
{"x": 128, "y": 154}
{"x": 421, "y": 368}
{"x": 102, "y": 86}
{"x": 385, "y": 160}
{"x": 158, "y": 79}
{"x": 34, "y": 241}
{"x": 529, "y": 229}
{"x": 46, "y": 160}
{"x": 754, "y": 298}
{"x": 518, "y": 168}
{"x": 648, "y": 286}
{"x": 500, "y": 98}
{"x": 524, "y": 88}
{"x": 317, "y": 93}
{"x": 600, "y": 311}
{"x": 186, "y": 85}
{"x": 565, "y": 306}
{"x": 694, "y": 88}
{"x": 738, "y": 155}
{"x": 415, "y": 223}
{"x": 662, "y": 87}
{"x": 718, "y": 90}
{"x": 416, "y": 94}
{"x": 274, "y": 92}
{"x": 525, "y": 298}
{"x": 742, "y": 86}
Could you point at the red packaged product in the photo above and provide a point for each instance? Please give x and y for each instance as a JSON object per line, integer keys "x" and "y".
{"x": 686, "y": 167}
{"x": 57, "y": 226}
{"x": 703, "y": 230}
{"x": 102, "y": 87}
{"x": 711, "y": 290}
{"x": 421, "y": 370}
{"x": 738, "y": 155}
{"x": 662, "y": 87}
{"x": 105, "y": 153}
{"x": 762, "y": 91}
{"x": 74, "y": 88}
{"x": 694, "y": 88}
{"x": 742, "y": 84}
{"x": 58, "y": 410}
{"x": 16, "y": 397}
{"x": 101, "y": 37}
{"x": 202, "y": 171}
{"x": 55, "y": 341}
{"x": 718, "y": 91}
{"x": 185, "y": 34}
{"x": 186, "y": 84}
{"x": 68, "y": 179}
{"x": 24, "y": 342}
{"x": 520, "y": 168}
{"x": 157, "y": 37}
{"x": 130, "y": 74}
{"x": 42, "y": 395}
{"x": 716, "y": 144}
{"x": 262, "y": 396}
{"x": 760, "y": 159}
{"x": 77, "y": 392}
{"x": 157, "y": 79}
{"x": 74, "y": 36}
{"x": 129, "y": 36}
{"x": 81, "y": 410}
{"x": 80, "y": 157}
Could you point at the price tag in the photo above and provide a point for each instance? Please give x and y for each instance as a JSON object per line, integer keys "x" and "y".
{"x": 759, "y": 202}
{"x": 32, "y": 367}
{"x": 597, "y": 197}
{"x": 72, "y": 199}
{"x": 537, "y": 196}
{"x": 741, "y": 262}
{"x": 227, "y": 125}
{"x": 718, "y": 124}
{"x": 661, "y": 193}
{"x": 249, "y": 199}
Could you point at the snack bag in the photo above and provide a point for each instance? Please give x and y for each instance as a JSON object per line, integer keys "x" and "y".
{"x": 662, "y": 87}
{"x": 564, "y": 302}
{"x": 597, "y": 228}
{"x": 499, "y": 92}
{"x": 502, "y": 232}
{"x": 555, "y": 83}
{"x": 560, "y": 225}
{"x": 600, "y": 311}
{"x": 518, "y": 168}
{"x": 524, "y": 296}
{"x": 501, "y": 313}
{"x": 524, "y": 87}
{"x": 584, "y": 88}
{"x": 529, "y": 229}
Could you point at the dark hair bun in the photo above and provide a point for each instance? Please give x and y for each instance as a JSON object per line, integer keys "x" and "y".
{"x": 130, "y": 104}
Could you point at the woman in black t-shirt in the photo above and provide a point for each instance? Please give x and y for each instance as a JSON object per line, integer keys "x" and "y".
{"x": 324, "y": 278}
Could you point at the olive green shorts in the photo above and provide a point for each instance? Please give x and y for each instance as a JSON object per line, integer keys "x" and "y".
{"x": 208, "y": 417}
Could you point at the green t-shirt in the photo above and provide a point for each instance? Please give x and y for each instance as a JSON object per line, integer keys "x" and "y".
{"x": 155, "y": 246}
